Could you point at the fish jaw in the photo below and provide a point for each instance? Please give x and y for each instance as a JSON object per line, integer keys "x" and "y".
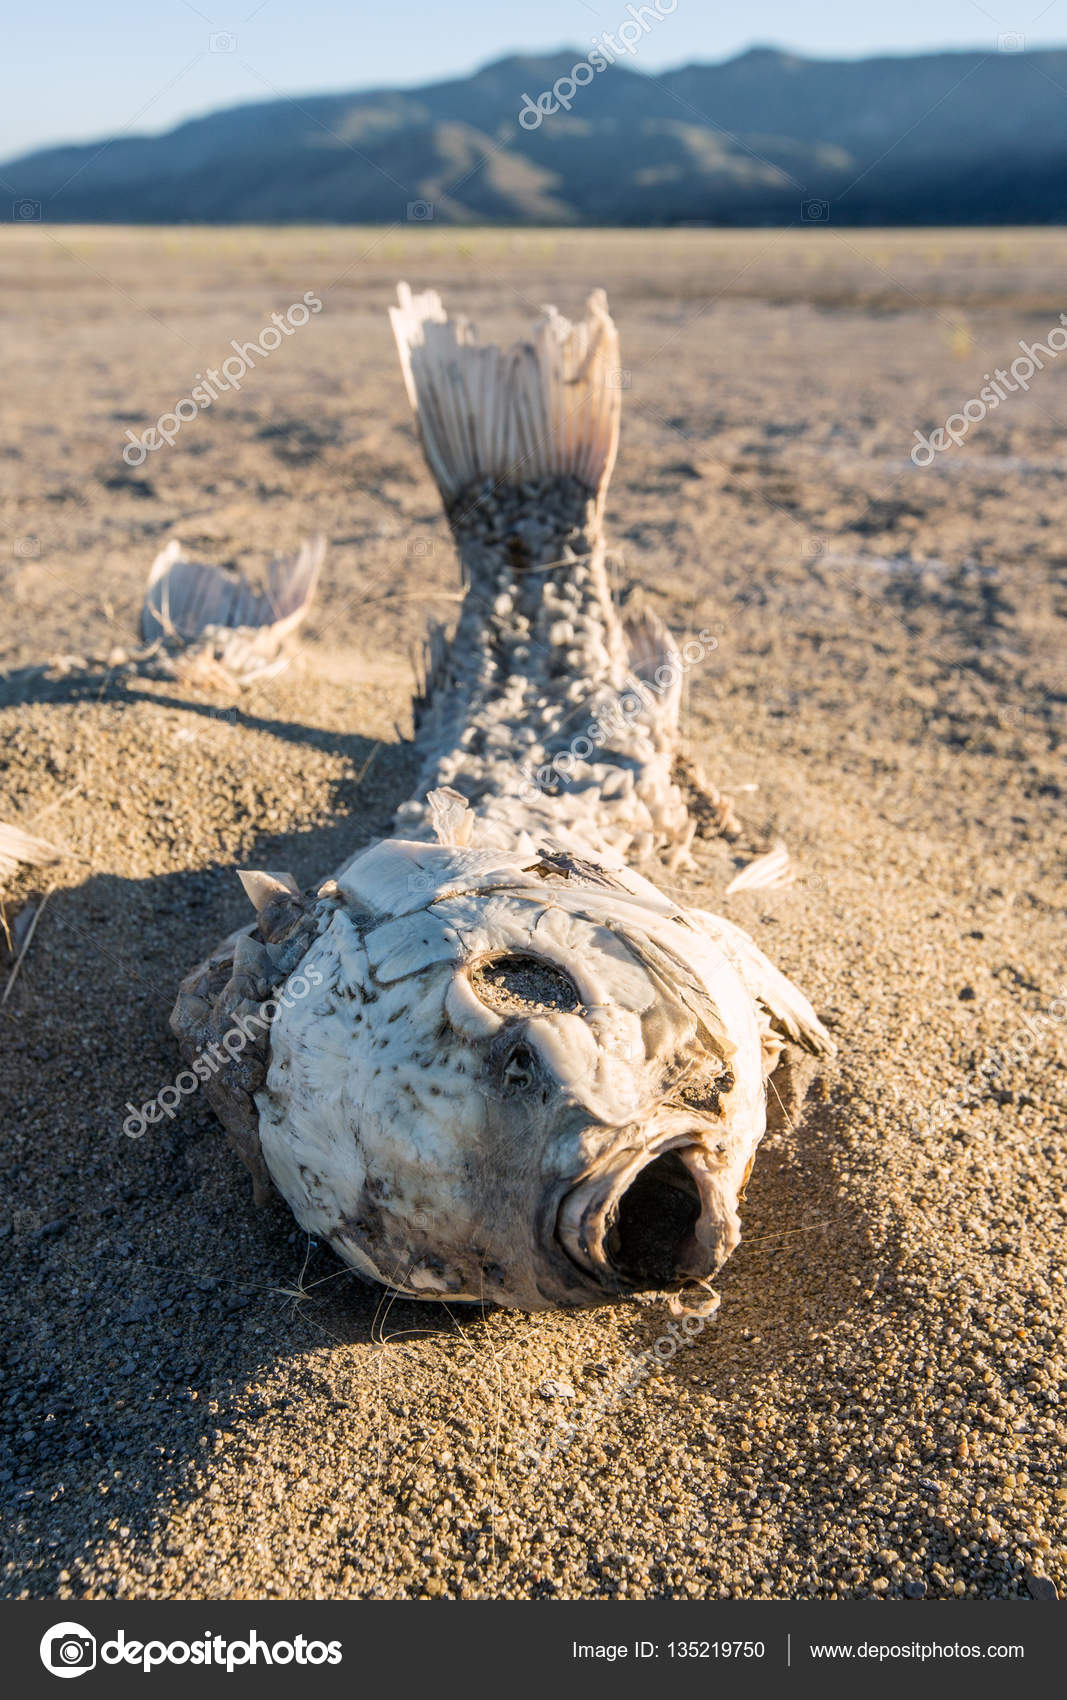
{"x": 656, "y": 1218}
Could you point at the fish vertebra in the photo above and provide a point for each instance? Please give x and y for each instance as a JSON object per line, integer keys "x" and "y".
{"x": 500, "y": 1064}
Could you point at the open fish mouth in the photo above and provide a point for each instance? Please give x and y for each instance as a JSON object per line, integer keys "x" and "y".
{"x": 648, "y": 1225}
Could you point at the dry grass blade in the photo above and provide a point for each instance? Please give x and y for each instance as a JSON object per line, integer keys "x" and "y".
{"x": 27, "y": 941}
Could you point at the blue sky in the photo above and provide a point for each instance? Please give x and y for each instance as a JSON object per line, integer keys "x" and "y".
{"x": 78, "y": 69}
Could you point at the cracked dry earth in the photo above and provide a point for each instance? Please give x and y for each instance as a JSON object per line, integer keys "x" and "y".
{"x": 198, "y": 1403}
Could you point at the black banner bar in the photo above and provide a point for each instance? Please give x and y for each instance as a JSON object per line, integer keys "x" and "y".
{"x": 622, "y": 1649}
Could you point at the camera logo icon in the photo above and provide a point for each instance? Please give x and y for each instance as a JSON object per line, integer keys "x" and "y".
{"x": 67, "y": 1649}
{"x": 424, "y": 883}
{"x": 1011, "y": 42}
{"x": 420, "y": 212}
{"x": 24, "y": 211}
{"x": 222, "y": 42}
{"x": 815, "y": 212}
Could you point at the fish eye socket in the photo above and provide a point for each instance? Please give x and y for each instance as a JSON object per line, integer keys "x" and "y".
{"x": 516, "y": 983}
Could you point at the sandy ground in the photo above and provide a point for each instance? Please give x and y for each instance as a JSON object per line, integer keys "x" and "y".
{"x": 197, "y": 1403}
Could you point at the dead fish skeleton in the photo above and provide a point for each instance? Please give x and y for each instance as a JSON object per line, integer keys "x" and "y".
{"x": 499, "y": 1063}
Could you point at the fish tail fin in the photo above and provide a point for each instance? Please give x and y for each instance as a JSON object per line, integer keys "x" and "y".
{"x": 547, "y": 407}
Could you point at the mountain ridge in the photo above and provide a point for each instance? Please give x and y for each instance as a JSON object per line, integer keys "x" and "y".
{"x": 767, "y": 137}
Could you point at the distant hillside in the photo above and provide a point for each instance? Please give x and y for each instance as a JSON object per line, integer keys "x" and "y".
{"x": 967, "y": 138}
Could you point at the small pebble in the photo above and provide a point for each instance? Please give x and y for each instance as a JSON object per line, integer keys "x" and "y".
{"x": 1041, "y": 1587}
{"x": 556, "y": 1390}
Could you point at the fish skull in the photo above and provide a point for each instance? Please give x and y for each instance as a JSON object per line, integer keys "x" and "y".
{"x": 529, "y": 1079}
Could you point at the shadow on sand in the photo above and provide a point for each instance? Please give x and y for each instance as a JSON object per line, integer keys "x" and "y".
{"x": 148, "y": 1297}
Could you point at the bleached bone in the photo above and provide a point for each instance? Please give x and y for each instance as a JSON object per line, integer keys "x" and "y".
{"x": 21, "y": 849}
{"x": 502, "y": 1064}
{"x": 261, "y": 888}
{"x": 773, "y": 871}
{"x": 210, "y": 615}
{"x": 453, "y": 822}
